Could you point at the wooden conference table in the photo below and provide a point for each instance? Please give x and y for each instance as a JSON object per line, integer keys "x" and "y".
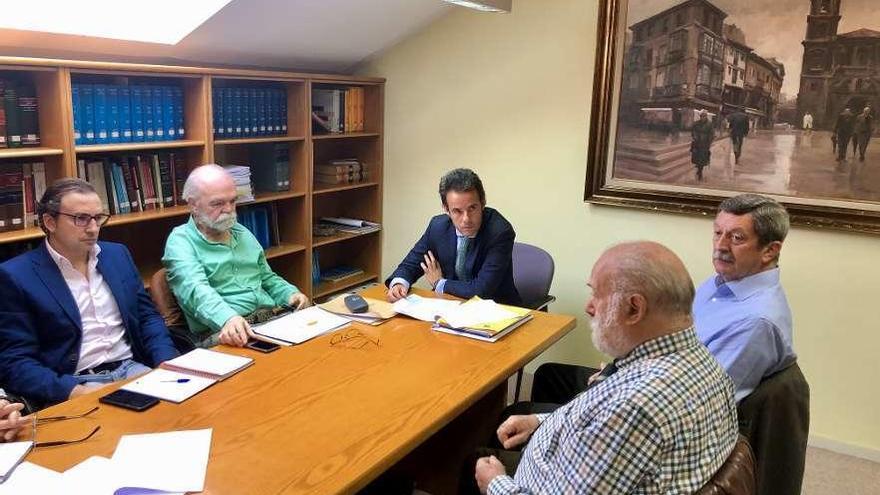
{"x": 327, "y": 416}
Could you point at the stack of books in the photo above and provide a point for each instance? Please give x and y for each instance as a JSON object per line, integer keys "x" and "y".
{"x": 351, "y": 225}
{"x": 339, "y": 273}
{"x": 21, "y": 186}
{"x": 242, "y": 176}
{"x": 482, "y": 319}
{"x": 121, "y": 113}
{"x": 341, "y": 171}
{"x": 19, "y": 115}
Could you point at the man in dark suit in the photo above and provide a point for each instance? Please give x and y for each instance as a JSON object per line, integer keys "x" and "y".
{"x": 466, "y": 252}
{"x": 74, "y": 314}
{"x": 739, "y": 127}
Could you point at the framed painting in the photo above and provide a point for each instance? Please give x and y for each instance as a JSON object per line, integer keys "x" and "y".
{"x": 698, "y": 100}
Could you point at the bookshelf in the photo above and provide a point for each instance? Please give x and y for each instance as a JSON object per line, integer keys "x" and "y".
{"x": 295, "y": 209}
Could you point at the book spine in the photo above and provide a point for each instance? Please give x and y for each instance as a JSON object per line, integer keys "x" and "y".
{"x": 169, "y": 119}
{"x": 109, "y": 198}
{"x": 149, "y": 115}
{"x": 262, "y": 111}
{"x": 125, "y": 132}
{"x": 3, "y": 142}
{"x": 158, "y": 113}
{"x": 119, "y": 187}
{"x": 166, "y": 177}
{"x": 87, "y": 98}
{"x": 102, "y": 135}
{"x": 179, "y": 112}
{"x": 13, "y": 116}
{"x": 27, "y": 185}
{"x": 146, "y": 182}
{"x": 39, "y": 172}
{"x": 129, "y": 174}
{"x": 178, "y": 165}
{"x": 238, "y": 125}
{"x": 216, "y": 112}
{"x": 283, "y": 110}
{"x": 113, "y": 126}
{"x": 138, "y": 131}
{"x": 229, "y": 112}
{"x": 30, "y": 117}
{"x": 157, "y": 180}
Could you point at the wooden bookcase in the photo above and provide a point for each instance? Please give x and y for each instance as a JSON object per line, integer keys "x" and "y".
{"x": 296, "y": 210}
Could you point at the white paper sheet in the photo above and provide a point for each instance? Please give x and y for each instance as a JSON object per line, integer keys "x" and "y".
{"x": 424, "y": 308}
{"x": 302, "y": 325}
{"x": 174, "y": 461}
{"x": 476, "y": 312}
{"x": 214, "y": 363}
{"x": 11, "y": 454}
{"x": 164, "y": 384}
{"x": 31, "y": 478}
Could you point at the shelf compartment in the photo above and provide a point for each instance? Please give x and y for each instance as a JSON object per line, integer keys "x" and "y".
{"x": 327, "y": 288}
{"x": 283, "y": 250}
{"x": 340, "y": 237}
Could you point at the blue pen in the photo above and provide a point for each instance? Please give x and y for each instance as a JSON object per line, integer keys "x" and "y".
{"x": 179, "y": 380}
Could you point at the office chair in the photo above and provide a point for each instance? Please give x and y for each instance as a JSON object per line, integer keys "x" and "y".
{"x": 532, "y": 275}
{"x": 167, "y": 306}
{"x": 736, "y": 476}
{"x": 776, "y": 420}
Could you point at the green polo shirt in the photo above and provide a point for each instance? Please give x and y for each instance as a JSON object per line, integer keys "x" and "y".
{"x": 214, "y": 281}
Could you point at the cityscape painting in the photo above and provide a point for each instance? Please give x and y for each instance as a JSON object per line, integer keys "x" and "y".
{"x": 697, "y": 100}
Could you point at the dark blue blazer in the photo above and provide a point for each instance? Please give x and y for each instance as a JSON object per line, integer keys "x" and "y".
{"x": 489, "y": 259}
{"x": 41, "y": 328}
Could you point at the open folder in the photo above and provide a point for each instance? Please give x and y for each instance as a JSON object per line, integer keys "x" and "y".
{"x": 299, "y": 326}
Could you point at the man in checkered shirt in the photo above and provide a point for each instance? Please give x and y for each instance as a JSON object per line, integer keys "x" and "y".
{"x": 661, "y": 420}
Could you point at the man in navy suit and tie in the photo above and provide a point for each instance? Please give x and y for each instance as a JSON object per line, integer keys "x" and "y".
{"x": 74, "y": 314}
{"x": 466, "y": 252}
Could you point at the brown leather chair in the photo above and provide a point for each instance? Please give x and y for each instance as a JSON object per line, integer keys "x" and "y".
{"x": 776, "y": 420}
{"x": 167, "y": 306}
{"x": 736, "y": 476}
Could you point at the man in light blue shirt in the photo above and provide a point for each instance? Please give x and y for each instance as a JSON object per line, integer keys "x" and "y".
{"x": 741, "y": 313}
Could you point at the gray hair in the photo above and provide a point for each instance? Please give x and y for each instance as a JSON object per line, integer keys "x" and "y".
{"x": 654, "y": 271}
{"x": 770, "y": 219}
{"x": 192, "y": 187}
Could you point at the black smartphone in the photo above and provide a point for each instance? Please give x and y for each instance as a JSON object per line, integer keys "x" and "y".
{"x": 129, "y": 400}
{"x": 262, "y": 346}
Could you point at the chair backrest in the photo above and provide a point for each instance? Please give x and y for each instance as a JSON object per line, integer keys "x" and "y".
{"x": 165, "y": 301}
{"x": 736, "y": 476}
{"x": 776, "y": 420}
{"x": 532, "y": 273}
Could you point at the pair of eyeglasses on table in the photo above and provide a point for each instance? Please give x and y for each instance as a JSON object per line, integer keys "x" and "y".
{"x": 54, "y": 419}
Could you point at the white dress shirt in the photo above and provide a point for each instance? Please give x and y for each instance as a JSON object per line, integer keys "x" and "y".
{"x": 103, "y": 334}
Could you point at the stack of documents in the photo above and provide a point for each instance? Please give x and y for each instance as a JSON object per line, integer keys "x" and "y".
{"x": 159, "y": 463}
{"x": 482, "y": 319}
{"x": 299, "y": 326}
{"x": 352, "y": 225}
{"x": 379, "y": 311}
{"x": 184, "y": 376}
{"x": 242, "y": 177}
{"x": 424, "y": 308}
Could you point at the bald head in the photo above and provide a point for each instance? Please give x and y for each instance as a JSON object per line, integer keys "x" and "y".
{"x": 205, "y": 178}
{"x": 652, "y": 270}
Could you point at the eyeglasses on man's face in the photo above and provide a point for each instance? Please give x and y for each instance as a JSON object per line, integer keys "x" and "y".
{"x": 83, "y": 219}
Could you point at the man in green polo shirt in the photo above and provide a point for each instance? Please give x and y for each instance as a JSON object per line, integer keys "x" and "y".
{"x": 216, "y": 267}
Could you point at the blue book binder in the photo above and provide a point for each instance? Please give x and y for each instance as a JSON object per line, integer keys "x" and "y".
{"x": 147, "y": 106}
{"x": 125, "y": 134}
{"x": 178, "y": 112}
{"x": 253, "y": 113}
{"x": 216, "y": 113}
{"x": 228, "y": 112}
{"x": 237, "y": 125}
{"x": 119, "y": 186}
{"x": 283, "y": 105}
{"x": 77, "y": 115}
{"x": 168, "y": 117}
{"x": 158, "y": 114}
{"x": 261, "y": 111}
{"x": 113, "y": 113}
{"x": 138, "y": 132}
{"x": 87, "y": 99}
{"x": 261, "y": 226}
{"x": 245, "y": 112}
{"x": 276, "y": 111}
{"x": 102, "y": 134}
{"x": 271, "y": 118}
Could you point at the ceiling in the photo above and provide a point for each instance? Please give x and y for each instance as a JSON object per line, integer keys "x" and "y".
{"x": 309, "y": 35}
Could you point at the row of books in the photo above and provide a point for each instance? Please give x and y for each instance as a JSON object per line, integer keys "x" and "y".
{"x": 341, "y": 171}
{"x": 21, "y": 187}
{"x": 332, "y": 274}
{"x": 19, "y": 115}
{"x": 119, "y": 113}
{"x": 337, "y": 110}
{"x": 132, "y": 183}
{"x": 249, "y": 112}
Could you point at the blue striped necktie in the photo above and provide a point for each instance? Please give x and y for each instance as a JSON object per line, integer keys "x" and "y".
{"x": 460, "y": 257}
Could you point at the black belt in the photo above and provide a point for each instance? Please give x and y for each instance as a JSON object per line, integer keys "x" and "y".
{"x": 108, "y": 367}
